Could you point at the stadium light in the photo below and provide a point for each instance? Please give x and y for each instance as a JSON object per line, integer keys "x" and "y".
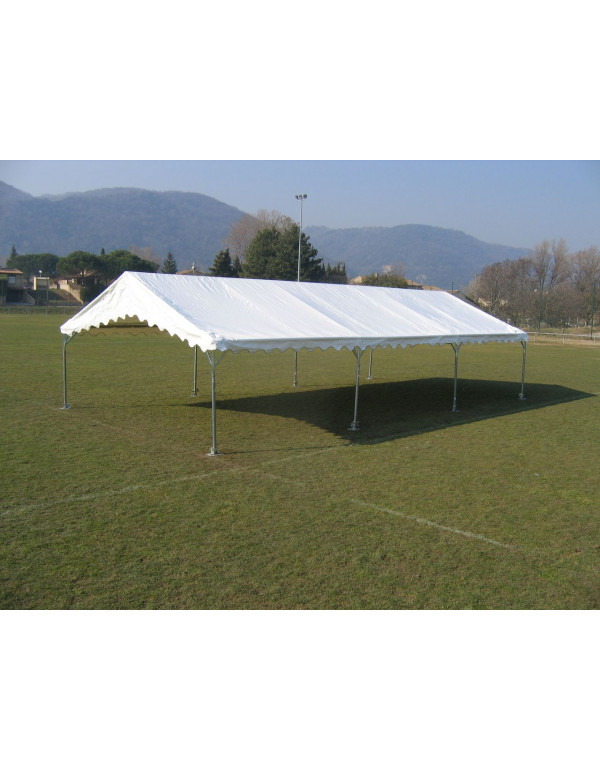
{"x": 301, "y": 198}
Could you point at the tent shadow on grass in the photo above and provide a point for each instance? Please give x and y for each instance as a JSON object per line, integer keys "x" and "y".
{"x": 395, "y": 409}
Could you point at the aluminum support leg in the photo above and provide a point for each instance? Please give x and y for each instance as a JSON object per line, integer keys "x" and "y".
{"x": 358, "y": 353}
{"x": 456, "y": 348}
{"x": 214, "y": 362}
{"x": 370, "y": 377}
{"x": 522, "y": 393}
{"x": 195, "y": 390}
{"x": 66, "y": 340}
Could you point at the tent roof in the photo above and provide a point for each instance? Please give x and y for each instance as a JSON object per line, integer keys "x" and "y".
{"x": 248, "y": 314}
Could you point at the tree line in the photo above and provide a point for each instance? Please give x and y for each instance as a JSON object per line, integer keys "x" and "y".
{"x": 265, "y": 246}
{"x": 93, "y": 271}
{"x": 108, "y": 266}
{"x": 270, "y": 246}
{"x": 550, "y": 287}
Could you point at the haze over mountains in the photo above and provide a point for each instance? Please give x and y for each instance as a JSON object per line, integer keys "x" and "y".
{"x": 193, "y": 227}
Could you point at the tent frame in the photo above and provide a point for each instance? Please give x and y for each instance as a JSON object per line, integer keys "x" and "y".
{"x": 522, "y": 393}
{"x": 66, "y": 340}
{"x": 215, "y": 357}
{"x": 216, "y": 315}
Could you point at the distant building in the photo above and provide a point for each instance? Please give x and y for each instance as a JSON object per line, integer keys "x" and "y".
{"x": 39, "y": 282}
{"x": 12, "y": 286}
{"x": 359, "y": 279}
{"x": 192, "y": 271}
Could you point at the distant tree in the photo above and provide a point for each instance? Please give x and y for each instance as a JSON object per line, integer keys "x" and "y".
{"x": 13, "y": 253}
{"x": 117, "y": 262}
{"x": 544, "y": 287}
{"x": 311, "y": 267}
{"x": 586, "y": 279}
{"x": 78, "y": 263}
{"x": 237, "y": 267}
{"x": 242, "y": 233}
{"x": 31, "y": 264}
{"x": 169, "y": 265}
{"x": 549, "y": 267}
{"x": 106, "y": 267}
{"x": 222, "y": 265}
{"x": 396, "y": 268}
{"x": 90, "y": 291}
{"x": 518, "y": 291}
{"x": 391, "y": 280}
{"x": 492, "y": 287}
{"x": 335, "y": 274}
{"x": 261, "y": 255}
{"x": 273, "y": 254}
{"x": 563, "y": 307}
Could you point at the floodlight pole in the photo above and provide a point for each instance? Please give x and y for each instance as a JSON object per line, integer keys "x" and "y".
{"x": 301, "y": 197}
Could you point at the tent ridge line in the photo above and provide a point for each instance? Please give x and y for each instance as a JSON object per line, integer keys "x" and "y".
{"x": 210, "y": 314}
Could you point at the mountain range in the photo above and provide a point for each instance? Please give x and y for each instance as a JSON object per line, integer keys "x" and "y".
{"x": 193, "y": 227}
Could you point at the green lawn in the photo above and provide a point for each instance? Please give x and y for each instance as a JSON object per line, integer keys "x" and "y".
{"x": 114, "y": 503}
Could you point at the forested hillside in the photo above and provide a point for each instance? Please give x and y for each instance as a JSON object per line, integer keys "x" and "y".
{"x": 194, "y": 228}
{"x": 190, "y": 225}
{"x": 430, "y": 255}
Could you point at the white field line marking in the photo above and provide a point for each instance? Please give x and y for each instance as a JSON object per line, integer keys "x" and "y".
{"x": 152, "y": 485}
{"x": 303, "y": 454}
{"x": 105, "y": 493}
{"x": 432, "y": 524}
{"x": 277, "y": 478}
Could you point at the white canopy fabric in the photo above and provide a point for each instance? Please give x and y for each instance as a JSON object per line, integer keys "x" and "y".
{"x": 221, "y": 314}
{"x": 216, "y": 315}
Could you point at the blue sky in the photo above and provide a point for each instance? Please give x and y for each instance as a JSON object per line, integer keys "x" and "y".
{"x": 516, "y": 203}
{"x": 357, "y": 96}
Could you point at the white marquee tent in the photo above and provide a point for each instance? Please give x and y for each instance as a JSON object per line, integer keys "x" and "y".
{"x": 216, "y": 315}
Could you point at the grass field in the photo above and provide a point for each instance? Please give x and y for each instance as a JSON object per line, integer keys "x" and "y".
{"x": 114, "y": 504}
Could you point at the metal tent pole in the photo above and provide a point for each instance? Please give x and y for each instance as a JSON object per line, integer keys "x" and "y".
{"x": 66, "y": 340}
{"x": 214, "y": 362}
{"x": 456, "y": 347}
{"x": 522, "y": 393}
{"x": 295, "y": 383}
{"x": 358, "y": 353}
{"x": 370, "y": 377}
{"x": 195, "y": 390}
